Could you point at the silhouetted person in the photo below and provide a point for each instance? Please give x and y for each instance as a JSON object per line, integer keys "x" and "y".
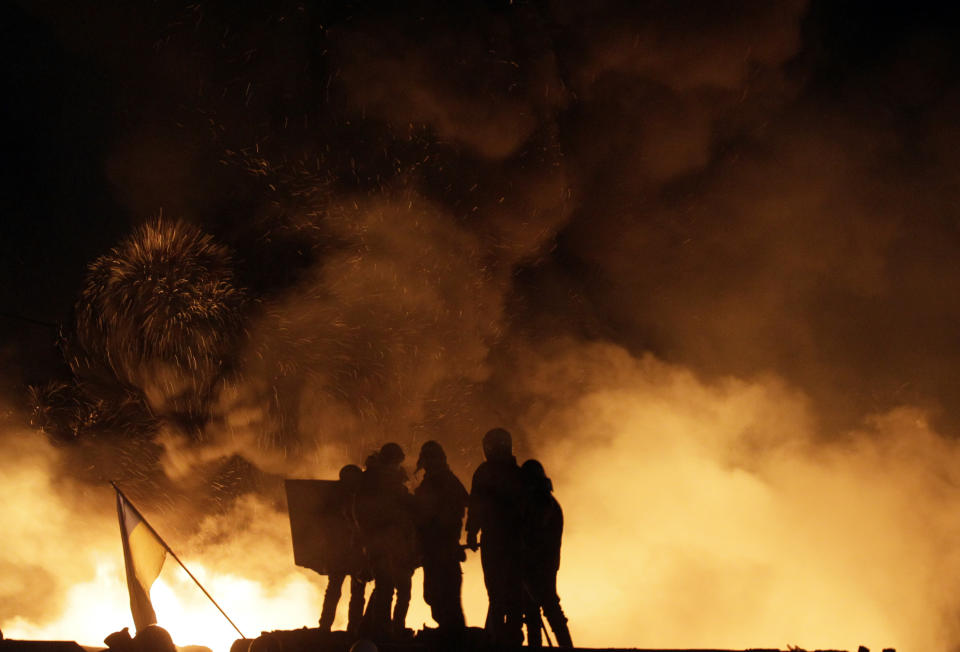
{"x": 385, "y": 512}
{"x": 350, "y": 559}
{"x": 494, "y": 512}
{"x": 540, "y": 534}
{"x": 120, "y": 641}
{"x": 441, "y": 500}
{"x": 154, "y": 638}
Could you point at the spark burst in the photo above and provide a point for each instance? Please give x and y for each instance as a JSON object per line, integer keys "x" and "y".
{"x": 160, "y": 313}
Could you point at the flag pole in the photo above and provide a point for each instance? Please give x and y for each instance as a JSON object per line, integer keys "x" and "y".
{"x": 174, "y": 555}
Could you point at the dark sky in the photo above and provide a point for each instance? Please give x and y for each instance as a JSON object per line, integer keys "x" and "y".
{"x": 738, "y": 188}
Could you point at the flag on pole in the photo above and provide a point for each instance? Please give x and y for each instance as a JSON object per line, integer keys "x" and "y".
{"x": 143, "y": 556}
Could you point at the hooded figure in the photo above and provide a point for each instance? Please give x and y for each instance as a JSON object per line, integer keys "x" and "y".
{"x": 385, "y": 514}
{"x": 540, "y": 534}
{"x": 441, "y": 500}
{"x": 494, "y": 514}
{"x": 352, "y": 561}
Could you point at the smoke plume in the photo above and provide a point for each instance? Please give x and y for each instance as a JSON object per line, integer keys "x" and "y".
{"x": 700, "y": 260}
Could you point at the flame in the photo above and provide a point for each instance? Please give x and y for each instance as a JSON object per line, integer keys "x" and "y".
{"x": 250, "y": 574}
{"x": 697, "y": 515}
{"x": 94, "y": 608}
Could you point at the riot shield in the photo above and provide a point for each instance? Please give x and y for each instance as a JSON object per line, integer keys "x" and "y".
{"x": 319, "y": 525}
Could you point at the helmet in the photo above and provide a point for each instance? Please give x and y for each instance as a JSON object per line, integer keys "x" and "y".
{"x": 391, "y": 454}
{"x": 351, "y": 475}
{"x": 430, "y": 451}
{"x": 497, "y": 443}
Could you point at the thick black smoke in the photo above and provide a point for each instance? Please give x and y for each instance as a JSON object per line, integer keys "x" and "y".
{"x": 415, "y": 192}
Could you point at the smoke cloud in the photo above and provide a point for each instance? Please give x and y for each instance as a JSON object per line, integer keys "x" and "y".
{"x": 699, "y": 260}
{"x": 728, "y": 522}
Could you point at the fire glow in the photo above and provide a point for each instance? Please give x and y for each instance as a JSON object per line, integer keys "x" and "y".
{"x": 696, "y": 515}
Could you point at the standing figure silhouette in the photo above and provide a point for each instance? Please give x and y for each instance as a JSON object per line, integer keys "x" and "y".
{"x": 540, "y": 535}
{"x": 494, "y": 515}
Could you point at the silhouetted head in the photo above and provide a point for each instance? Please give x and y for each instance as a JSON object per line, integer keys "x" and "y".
{"x": 391, "y": 454}
{"x": 372, "y": 461}
{"x": 497, "y": 444}
{"x": 364, "y": 645}
{"x": 242, "y": 645}
{"x": 154, "y": 638}
{"x": 266, "y": 642}
{"x": 431, "y": 456}
{"x": 351, "y": 476}
{"x": 534, "y": 477}
{"x": 119, "y": 641}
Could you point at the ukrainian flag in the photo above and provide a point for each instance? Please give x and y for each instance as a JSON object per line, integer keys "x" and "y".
{"x": 143, "y": 556}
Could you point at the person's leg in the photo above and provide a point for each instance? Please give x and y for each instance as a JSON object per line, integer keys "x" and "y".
{"x": 331, "y": 598}
{"x": 446, "y": 585}
{"x": 505, "y": 615}
{"x": 531, "y": 617}
{"x": 376, "y": 618}
{"x": 492, "y": 580}
{"x": 512, "y": 603}
{"x": 431, "y": 591}
{"x": 547, "y": 594}
{"x": 403, "y": 603}
{"x": 358, "y": 588}
{"x": 452, "y": 595}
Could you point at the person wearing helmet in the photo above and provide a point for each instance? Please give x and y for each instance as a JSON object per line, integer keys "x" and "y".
{"x": 540, "y": 534}
{"x": 494, "y": 513}
{"x": 441, "y": 500}
{"x": 385, "y": 513}
{"x": 350, "y": 561}
{"x": 391, "y": 455}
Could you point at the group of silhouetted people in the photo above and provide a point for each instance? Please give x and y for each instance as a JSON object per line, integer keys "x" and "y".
{"x": 512, "y": 518}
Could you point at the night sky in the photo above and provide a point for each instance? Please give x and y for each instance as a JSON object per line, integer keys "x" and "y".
{"x": 635, "y": 147}
{"x": 740, "y": 189}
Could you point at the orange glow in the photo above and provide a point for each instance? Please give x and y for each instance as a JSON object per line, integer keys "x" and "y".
{"x": 697, "y": 515}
